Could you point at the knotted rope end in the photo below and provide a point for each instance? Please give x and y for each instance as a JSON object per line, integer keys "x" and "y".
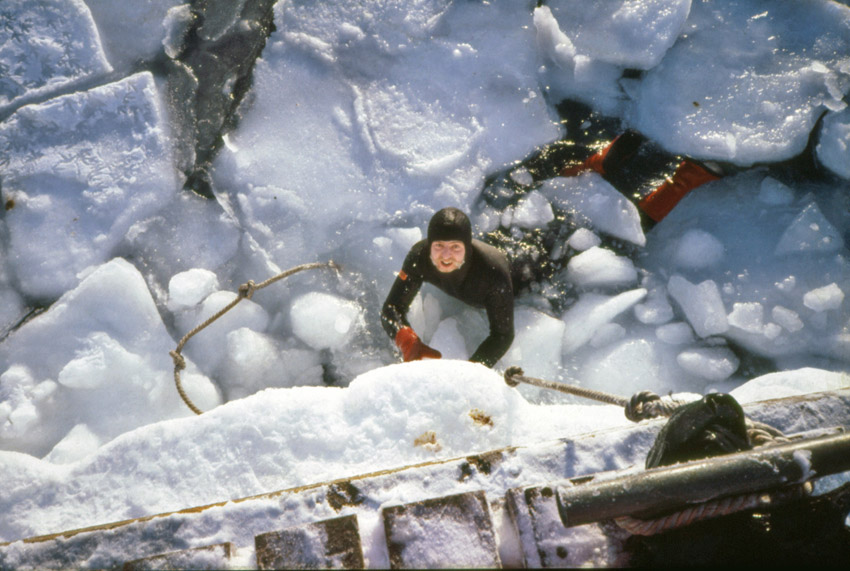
{"x": 246, "y": 290}
{"x": 512, "y": 372}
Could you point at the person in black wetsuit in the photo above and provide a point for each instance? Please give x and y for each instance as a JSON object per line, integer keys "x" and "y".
{"x": 469, "y": 270}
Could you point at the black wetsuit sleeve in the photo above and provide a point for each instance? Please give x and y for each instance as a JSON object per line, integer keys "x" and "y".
{"x": 500, "y": 313}
{"x": 404, "y": 289}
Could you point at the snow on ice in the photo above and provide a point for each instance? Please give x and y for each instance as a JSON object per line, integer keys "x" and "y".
{"x": 359, "y": 124}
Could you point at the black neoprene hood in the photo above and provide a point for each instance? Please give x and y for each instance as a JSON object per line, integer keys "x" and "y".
{"x": 450, "y": 224}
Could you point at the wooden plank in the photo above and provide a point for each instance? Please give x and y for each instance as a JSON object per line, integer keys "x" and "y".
{"x": 546, "y": 543}
{"x": 451, "y": 531}
{"x": 328, "y": 544}
{"x": 208, "y": 557}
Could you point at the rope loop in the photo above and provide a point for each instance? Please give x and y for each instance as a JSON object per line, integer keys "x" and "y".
{"x": 245, "y": 291}
{"x": 712, "y": 509}
{"x": 179, "y": 361}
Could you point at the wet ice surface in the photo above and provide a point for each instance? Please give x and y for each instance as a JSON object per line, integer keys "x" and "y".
{"x": 359, "y": 125}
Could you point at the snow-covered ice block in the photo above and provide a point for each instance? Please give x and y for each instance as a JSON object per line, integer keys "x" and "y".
{"x": 592, "y": 199}
{"x": 108, "y": 345}
{"x": 554, "y": 43}
{"x": 824, "y": 298}
{"x": 747, "y": 316}
{"x": 46, "y": 46}
{"x": 208, "y": 347}
{"x": 626, "y": 33}
{"x": 790, "y": 383}
{"x": 574, "y": 75}
{"x": 591, "y": 312}
{"x": 583, "y": 239}
{"x": 533, "y": 211}
{"x": 810, "y": 232}
{"x": 710, "y": 363}
{"x": 600, "y": 267}
{"x": 385, "y": 27}
{"x": 701, "y": 304}
{"x": 397, "y": 119}
{"x": 81, "y": 169}
{"x": 708, "y": 111}
{"x": 324, "y": 321}
{"x": 189, "y": 288}
{"x": 425, "y": 315}
{"x": 255, "y": 361}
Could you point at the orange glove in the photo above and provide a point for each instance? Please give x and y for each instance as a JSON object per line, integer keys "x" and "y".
{"x": 412, "y": 348}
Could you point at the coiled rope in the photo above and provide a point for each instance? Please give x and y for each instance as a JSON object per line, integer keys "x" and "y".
{"x": 246, "y": 291}
{"x": 710, "y": 509}
{"x": 645, "y": 405}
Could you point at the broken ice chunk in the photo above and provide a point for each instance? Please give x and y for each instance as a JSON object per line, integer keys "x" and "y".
{"x": 824, "y": 298}
{"x": 325, "y": 321}
{"x": 583, "y": 239}
{"x": 701, "y": 304}
{"x": 675, "y": 333}
{"x": 712, "y": 363}
{"x": 592, "y": 198}
{"x": 748, "y": 317}
{"x": 656, "y": 310}
{"x": 522, "y": 176}
{"x": 48, "y": 46}
{"x": 600, "y": 267}
{"x": 189, "y": 288}
{"x": 772, "y": 331}
{"x": 592, "y": 312}
{"x": 810, "y": 232}
{"x": 533, "y": 211}
{"x": 787, "y": 318}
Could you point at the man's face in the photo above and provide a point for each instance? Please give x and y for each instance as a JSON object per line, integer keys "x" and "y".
{"x": 447, "y": 255}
